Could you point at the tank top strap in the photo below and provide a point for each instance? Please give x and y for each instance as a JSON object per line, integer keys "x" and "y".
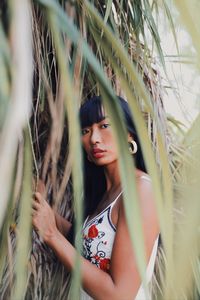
{"x": 85, "y": 222}
{"x": 146, "y": 177}
{"x": 108, "y": 208}
{"x": 115, "y": 200}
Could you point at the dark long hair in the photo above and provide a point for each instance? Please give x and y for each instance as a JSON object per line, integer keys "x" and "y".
{"x": 95, "y": 183}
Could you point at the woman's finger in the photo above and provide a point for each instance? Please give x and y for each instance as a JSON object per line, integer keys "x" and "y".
{"x": 38, "y": 197}
{"x": 41, "y": 187}
{"x": 33, "y": 212}
{"x": 35, "y": 205}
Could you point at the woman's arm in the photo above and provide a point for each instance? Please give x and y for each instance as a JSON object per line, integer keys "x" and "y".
{"x": 62, "y": 224}
{"x": 92, "y": 277}
{"x": 123, "y": 281}
{"x": 124, "y": 270}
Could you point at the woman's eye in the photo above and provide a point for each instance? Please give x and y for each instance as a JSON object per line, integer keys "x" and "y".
{"x": 84, "y": 131}
{"x": 105, "y": 125}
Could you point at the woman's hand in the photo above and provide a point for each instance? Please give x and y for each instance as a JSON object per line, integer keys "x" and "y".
{"x": 43, "y": 218}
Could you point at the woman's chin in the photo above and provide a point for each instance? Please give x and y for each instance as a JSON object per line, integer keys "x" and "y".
{"x": 103, "y": 162}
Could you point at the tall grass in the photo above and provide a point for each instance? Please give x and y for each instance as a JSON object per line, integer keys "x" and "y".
{"x": 79, "y": 50}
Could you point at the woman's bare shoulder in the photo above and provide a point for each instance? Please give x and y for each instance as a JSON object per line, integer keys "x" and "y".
{"x": 142, "y": 176}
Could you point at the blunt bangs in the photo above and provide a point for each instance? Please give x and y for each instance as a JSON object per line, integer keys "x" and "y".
{"x": 91, "y": 112}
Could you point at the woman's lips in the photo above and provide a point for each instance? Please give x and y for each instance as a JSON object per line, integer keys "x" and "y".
{"x": 98, "y": 153}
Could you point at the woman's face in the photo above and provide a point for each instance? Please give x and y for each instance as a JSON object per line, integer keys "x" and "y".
{"x": 99, "y": 143}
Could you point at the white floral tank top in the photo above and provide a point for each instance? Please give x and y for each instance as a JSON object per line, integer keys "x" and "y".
{"x": 98, "y": 237}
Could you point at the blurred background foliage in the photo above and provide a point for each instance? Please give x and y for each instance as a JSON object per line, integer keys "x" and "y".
{"x": 53, "y": 56}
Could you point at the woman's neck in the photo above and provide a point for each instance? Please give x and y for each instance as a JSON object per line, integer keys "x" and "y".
{"x": 112, "y": 176}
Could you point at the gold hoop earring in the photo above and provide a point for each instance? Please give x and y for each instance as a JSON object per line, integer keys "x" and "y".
{"x": 133, "y": 147}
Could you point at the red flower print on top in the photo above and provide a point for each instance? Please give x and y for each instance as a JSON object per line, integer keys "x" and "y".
{"x": 105, "y": 264}
{"x": 93, "y": 232}
{"x": 96, "y": 257}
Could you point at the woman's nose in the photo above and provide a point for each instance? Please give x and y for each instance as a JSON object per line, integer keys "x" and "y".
{"x": 95, "y": 136}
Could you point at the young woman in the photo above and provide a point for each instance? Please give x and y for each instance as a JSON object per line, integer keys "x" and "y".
{"x": 109, "y": 269}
